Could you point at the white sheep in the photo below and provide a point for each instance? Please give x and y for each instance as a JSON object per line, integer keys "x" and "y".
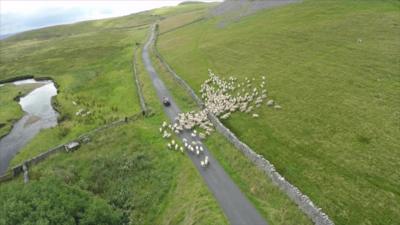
{"x": 270, "y": 102}
{"x": 206, "y": 162}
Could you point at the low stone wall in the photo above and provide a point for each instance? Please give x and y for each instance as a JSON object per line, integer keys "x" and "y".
{"x": 116, "y": 123}
{"x": 8, "y": 176}
{"x": 304, "y": 202}
{"x": 44, "y": 155}
{"x": 16, "y": 170}
{"x": 138, "y": 85}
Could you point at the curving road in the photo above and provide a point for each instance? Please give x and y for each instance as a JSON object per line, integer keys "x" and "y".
{"x": 234, "y": 203}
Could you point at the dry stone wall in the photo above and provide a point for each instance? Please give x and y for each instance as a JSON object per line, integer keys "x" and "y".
{"x": 138, "y": 85}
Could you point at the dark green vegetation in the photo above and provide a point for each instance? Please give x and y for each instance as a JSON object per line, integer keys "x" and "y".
{"x": 67, "y": 205}
{"x": 10, "y": 110}
{"x": 334, "y": 68}
{"x": 124, "y": 174}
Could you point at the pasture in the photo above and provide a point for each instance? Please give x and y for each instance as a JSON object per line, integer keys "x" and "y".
{"x": 333, "y": 67}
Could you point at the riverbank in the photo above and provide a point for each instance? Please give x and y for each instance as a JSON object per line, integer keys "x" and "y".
{"x": 11, "y": 111}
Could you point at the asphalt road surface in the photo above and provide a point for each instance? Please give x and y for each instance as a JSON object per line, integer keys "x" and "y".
{"x": 234, "y": 203}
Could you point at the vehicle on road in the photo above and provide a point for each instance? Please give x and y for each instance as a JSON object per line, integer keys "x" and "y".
{"x": 166, "y": 101}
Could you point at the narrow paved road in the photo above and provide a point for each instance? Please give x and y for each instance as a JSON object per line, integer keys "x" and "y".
{"x": 235, "y": 205}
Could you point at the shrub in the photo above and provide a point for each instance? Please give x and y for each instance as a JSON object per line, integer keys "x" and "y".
{"x": 53, "y": 202}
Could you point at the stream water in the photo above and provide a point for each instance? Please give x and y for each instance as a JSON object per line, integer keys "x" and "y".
{"x": 39, "y": 114}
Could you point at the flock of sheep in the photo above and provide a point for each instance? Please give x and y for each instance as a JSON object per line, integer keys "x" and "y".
{"x": 222, "y": 98}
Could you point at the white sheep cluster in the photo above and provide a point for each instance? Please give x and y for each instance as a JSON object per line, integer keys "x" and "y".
{"x": 222, "y": 98}
{"x": 190, "y": 120}
{"x": 194, "y": 147}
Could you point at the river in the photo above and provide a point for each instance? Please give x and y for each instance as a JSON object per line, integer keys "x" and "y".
{"x": 39, "y": 114}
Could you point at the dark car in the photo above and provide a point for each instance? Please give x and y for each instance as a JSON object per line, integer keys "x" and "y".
{"x": 166, "y": 101}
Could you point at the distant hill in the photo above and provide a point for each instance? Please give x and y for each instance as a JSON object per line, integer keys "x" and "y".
{"x": 4, "y": 36}
{"x": 190, "y": 2}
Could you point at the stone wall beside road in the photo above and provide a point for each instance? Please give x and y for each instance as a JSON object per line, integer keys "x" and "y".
{"x": 137, "y": 82}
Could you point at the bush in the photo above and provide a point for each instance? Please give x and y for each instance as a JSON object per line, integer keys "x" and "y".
{"x": 52, "y": 202}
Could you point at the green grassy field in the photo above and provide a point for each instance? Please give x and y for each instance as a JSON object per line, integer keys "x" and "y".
{"x": 334, "y": 68}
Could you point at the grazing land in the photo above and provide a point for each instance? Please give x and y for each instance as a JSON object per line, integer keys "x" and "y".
{"x": 334, "y": 69}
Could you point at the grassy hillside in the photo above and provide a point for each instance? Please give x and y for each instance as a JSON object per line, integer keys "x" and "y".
{"x": 334, "y": 68}
{"x": 125, "y": 175}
